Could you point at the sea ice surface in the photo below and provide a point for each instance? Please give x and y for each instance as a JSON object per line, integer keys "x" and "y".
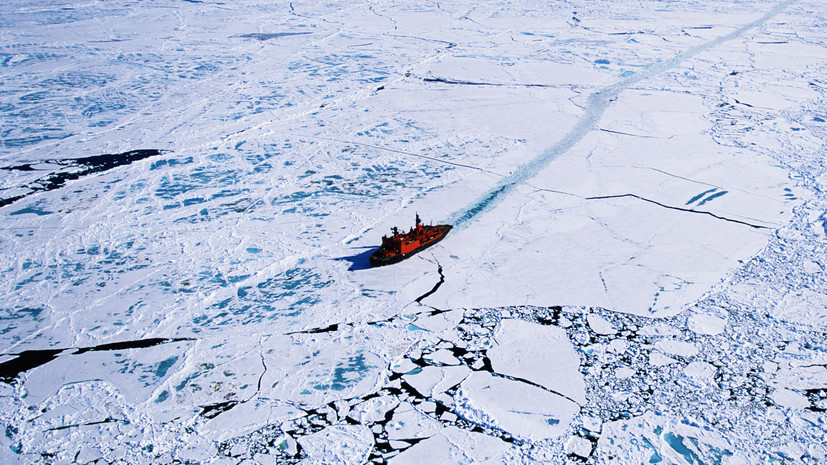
{"x": 190, "y": 192}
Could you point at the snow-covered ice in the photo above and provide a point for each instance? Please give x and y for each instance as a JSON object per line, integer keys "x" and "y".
{"x": 190, "y": 191}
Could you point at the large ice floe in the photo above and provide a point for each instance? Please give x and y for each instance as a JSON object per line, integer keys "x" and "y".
{"x": 190, "y": 192}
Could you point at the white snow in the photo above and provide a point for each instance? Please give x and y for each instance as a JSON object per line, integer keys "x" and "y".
{"x": 706, "y": 324}
{"x": 578, "y": 446}
{"x": 338, "y": 445}
{"x": 677, "y": 348}
{"x": 373, "y": 409}
{"x": 804, "y": 307}
{"x": 789, "y": 399}
{"x": 432, "y": 381}
{"x": 454, "y": 445}
{"x": 408, "y": 422}
{"x": 640, "y": 216}
{"x": 520, "y": 409}
{"x": 540, "y": 354}
{"x": 700, "y": 370}
{"x": 600, "y": 325}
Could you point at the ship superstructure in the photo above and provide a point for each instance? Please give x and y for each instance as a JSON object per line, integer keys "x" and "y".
{"x": 399, "y": 246}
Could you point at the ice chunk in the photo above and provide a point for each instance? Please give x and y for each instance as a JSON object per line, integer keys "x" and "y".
{"x": 699, "y": 370}
{"x": 600, "y": 325}
{"x": 706, "y": 324}
{"x": 618, "y": 346}
{"x": 431, "y": 381}
{"x": 624, "y": 373}
{"x": 540, "y": 354}
{"x": 409, "y": 423}
{"x": 659, "y": 329}
{"x": 578, "y": 446}
{"x": 592, "y": 424}
{"x": 265, "y": 459}
{"x": 286, "y": 444}
{"x": 790, "y": 399}
{"x": 658, "y": 359}
{"x": 441, "y": 321}
{"x": 373, "y": 409}
{"x": 338, "y": 445}
{"x": 197, "y": 450}
{"x": 248, "y": 416}
{"x": 403, "y": 366}
{"x": 653, "y": 438}
{"x": 442, "y": 356}
{"x": 678, "y": 348}
{"x": 802, "y": 377}
{"x": 455, "y": 446}
{"x": 803, "y": 307}
{"x": 522, "y": 410}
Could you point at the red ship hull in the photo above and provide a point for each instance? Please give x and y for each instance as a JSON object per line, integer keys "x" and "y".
{"x": 401, "y": 246}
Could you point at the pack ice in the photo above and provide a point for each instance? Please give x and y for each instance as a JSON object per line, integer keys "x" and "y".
{"x": 190, "y": 192}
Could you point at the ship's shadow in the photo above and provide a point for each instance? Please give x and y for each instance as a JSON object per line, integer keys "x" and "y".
{"x": 360, "y": 261}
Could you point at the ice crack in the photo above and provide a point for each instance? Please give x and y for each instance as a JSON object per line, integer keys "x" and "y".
{"x": 92, "y": 423}
{"x": 492, "y": 84}
{"x": 71, "y": 169}
{"x": 436, "y": 286}
{"x": 30, "y": 359}
{"x": 688, "y": 210}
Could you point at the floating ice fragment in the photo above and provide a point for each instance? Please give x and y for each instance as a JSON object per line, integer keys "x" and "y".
{"x": 659, "y": 329}
{"x": 373, "y": 409}
{"x": 699, "y": 370}
{"x": 540, "y": 354}
{"x": 431, "y": 381}
{"x": 248, "y": 416}
{"x": 578, "y": 446}
{"x": 403, "y": 366}
{"x": 802, "y": 377}
{"x": 706, "y": 324}
{"x": 399, "y": 444}
{"x": 618, "y": 346}
{"x": 811, "y": 267}
{"x": 658, "y": 359}
{"x": 409, "y": 423}
{"x": 286, "y": 444}
{"x": 441, "y": 321}
{"x": 600, "y": 325}
{"x": 442, "y": 356}
{"x": 652, "y": 438}
{"x": 678, "y": 348}
{"x": 592, "y": 424}
{"x": 803, "y": 307}
{"x": 455, "y": 446}
{"x": 338, "y": 445}
{"x": 264, "y": 459}
{"x": 624, "y": 373}
{"x": 197, "y": 450}
{"x": 790, "y": 399}
{"x": 520, "y": 409}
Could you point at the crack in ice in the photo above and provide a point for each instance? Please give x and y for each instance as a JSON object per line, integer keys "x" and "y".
{"x": 436, "y": 286}
{"x": 688, "y": 210}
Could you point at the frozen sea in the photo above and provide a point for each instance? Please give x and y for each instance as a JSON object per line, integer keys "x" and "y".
{"x": 190, "y": 190}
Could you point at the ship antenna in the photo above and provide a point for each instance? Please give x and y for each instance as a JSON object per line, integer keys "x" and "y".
{"x": 418, "y": 221}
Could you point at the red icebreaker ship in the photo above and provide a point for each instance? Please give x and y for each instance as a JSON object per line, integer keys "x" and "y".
{"x": 400, "y": 246}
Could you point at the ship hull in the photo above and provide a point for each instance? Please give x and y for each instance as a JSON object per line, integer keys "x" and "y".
{"x": 376, "y": 260}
